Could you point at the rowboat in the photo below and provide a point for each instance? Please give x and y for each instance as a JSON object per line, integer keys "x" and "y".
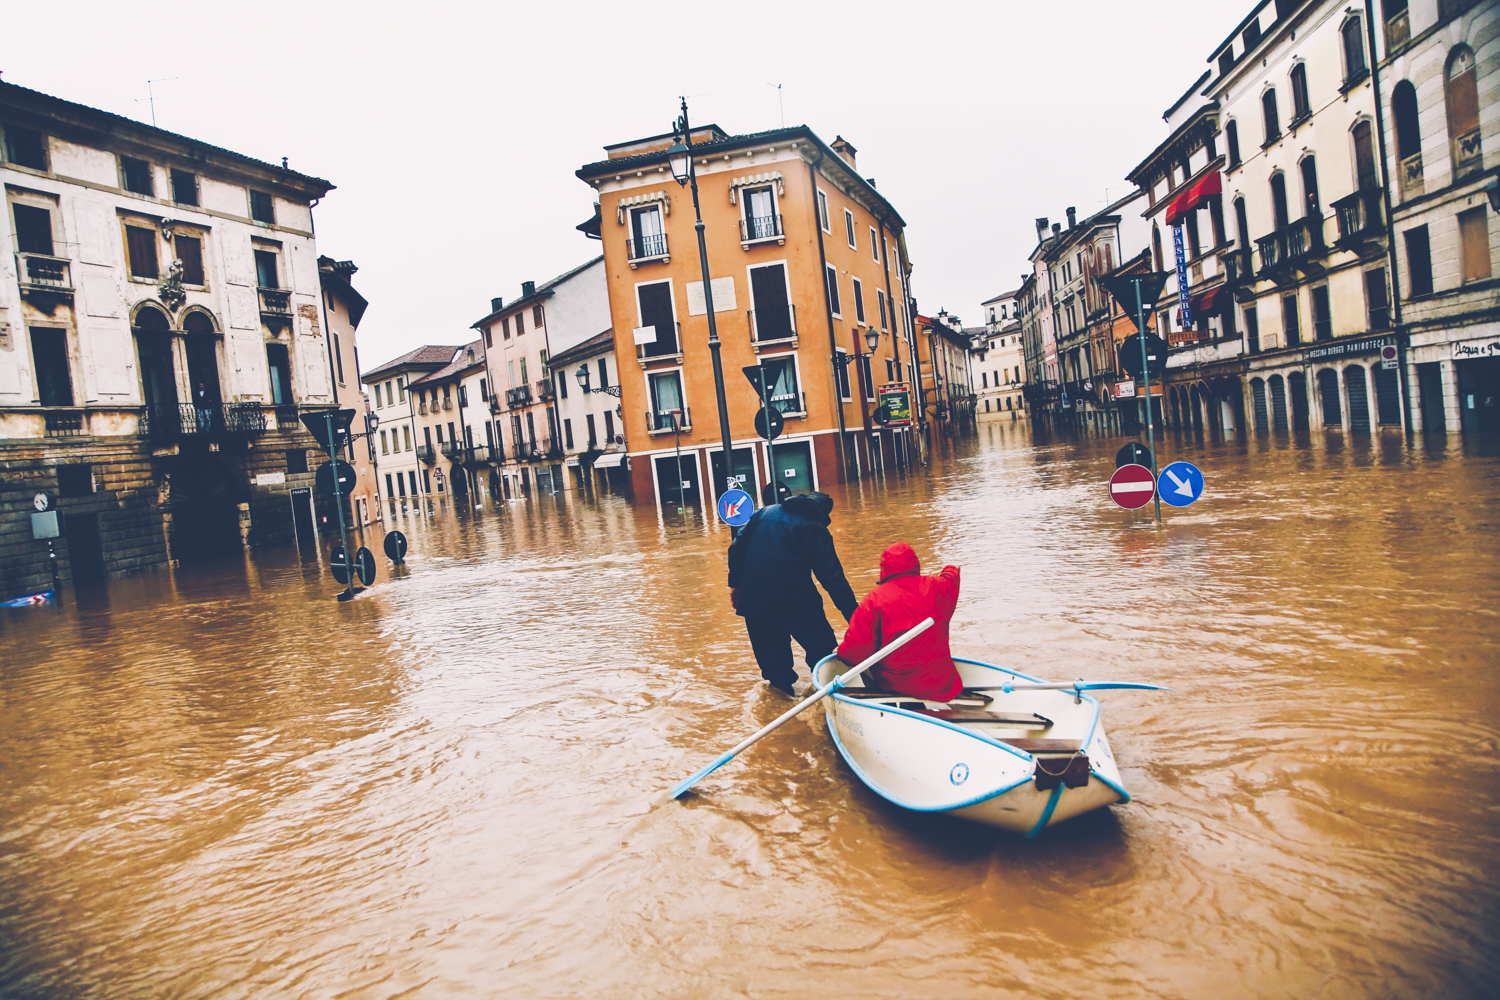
{"x": 1014, "y": 751}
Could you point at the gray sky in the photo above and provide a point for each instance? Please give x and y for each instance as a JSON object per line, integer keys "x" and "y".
{"x": 453, "y": 130}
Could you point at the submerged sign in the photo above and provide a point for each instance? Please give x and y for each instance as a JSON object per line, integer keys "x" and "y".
{"x": 896, "y": 398}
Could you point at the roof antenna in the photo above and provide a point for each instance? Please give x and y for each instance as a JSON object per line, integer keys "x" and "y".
{"x": 779, "y": 102}
{"x": 151, "y": 95}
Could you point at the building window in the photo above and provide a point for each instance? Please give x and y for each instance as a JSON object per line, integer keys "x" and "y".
{"x": 141, "y": 244}
{"x": 1377, "y": 299}
{"x": 505, "y": 328}
{"x": 1309, "y": 168}
{"x": 1301, "y": 108}
{"x": 384, "y": 445}
{"x": 781, "y": 387}
{"x": 866, "y": 377}
{"x": 761, "y": 221}
{"x": 874, "y": 245}
{"x": 1289, "y": 320}
{"x": 49, "y": 357}
{"x": 1156, "y": 245}
{"x": 400, "y": 389}
{"x": 520, "y": 319}
{"x": 1418, "y": 261}
{"x": 135, "y": 176}
{"x": 666, "y": 396}
{"x": 296, "y": 461}
{"x": 190, "y": 255}
{"x": 413, "y": 475}
{"x": 489, "y": 337}
{"x": 1364, "y": 158}
{"x": 890, "y": 371}
{"x": 1354, "y": 52}
{"x": 609, "y": 427}
{"x": 1278, "y": 201}
{"x": 25, "y": 147}
{"x": 841, "y": 375}
{"x": 1408, "y": 127}
{"x": 831, "y": 276}
{"x": 849, "y": 229}
{"x": 1232, "y": 137}
{"x": 568, "y": 432}
{"x": 406, "y": 437}
{"x": 262, "y": 208}
{"x": 1322, "y": 320}
{"x": 536, "y": 317}
{"x": 859, "y": 300}
{"x": 1462, "y": 98}
{"x": 33, "y": 229}
{"x": 654, "y": 305}
{"x": 1474, "y": 243}
{"x": 880, "y": 303}
{"x": 1268, "y": 113}
{"x": 266, "y": 271}
{"x": 823, "y": 213}
{"x": 649, "y": 238}
{"x": 1194, "y": 246}
{"x": 279, "y": 363}
{"x": 184, "y": 187}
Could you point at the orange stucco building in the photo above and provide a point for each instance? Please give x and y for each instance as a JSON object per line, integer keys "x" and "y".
{"x": 806, "y": 258}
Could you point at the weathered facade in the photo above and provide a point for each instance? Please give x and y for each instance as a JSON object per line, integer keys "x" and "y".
{"x": 588, "y": 402}
{"x": 807, "y": 258}
{"x": 404, "y": 463}
{"x": 343, "y": 308}
{"x": 159, "y": 337}
{"x": 998, "y": 361}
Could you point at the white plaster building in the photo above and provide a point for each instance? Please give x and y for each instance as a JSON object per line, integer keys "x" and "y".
{"x": 399, "y": 459}
{"x": 998, "y": 361}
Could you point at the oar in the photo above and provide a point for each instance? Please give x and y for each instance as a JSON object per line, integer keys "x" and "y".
{"x": 1077, "y": 687}
{"x": 817, "y": 696}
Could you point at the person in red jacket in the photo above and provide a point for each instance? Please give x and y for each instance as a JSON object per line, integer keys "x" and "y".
{"x": 923, "y": 668}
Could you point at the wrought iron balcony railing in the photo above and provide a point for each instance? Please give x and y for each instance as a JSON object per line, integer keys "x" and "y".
{"x": 769, "y": 326}
{"x": 215, "y": 422}
{"x": 519, "y": 396}
{"x": 545, "y": 390}
{"x": 761, "y": 227}
{"x": 652, "y": 247}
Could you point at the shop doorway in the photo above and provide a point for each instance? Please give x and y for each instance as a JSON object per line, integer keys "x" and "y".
{"x": 205, "y": 515}
{"x": 744, "y": 471}
{"x": 793, "y": 466}
{"x": 85, "y": 550}
{"x": 679, "y": 489}
{"x": 1479, "y": 395}
{"x": 303, "y": 524}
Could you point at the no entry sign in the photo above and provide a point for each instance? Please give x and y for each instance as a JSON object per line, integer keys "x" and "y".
{"x": 1132, "y": 486}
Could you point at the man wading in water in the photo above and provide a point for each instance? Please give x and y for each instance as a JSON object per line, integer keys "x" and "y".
{"x": 771, "y": 565}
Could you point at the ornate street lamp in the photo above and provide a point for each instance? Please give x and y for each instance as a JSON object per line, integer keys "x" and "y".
{"x": 583, "y": 383}
{"x": 680, "y": 157}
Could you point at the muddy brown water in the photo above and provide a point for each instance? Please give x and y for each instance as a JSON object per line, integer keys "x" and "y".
{"x": 221, "y": 783}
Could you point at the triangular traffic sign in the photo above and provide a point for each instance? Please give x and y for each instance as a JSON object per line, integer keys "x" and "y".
{"x": 317, "y": 426}
{"x": 1123, "y": 286}
{"x": 753, "y": 373}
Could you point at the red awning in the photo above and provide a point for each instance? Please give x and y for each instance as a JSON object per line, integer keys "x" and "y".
{"x": 1196, "y": 194}
{"x": 1208, "y": 302}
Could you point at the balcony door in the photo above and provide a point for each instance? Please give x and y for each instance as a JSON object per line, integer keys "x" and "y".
{"x": 646, "y": 229}
{"x": 655, "y": 302}
{"x": 49, "y": 358}
{"x": 768, "y": 297}
{"x": 153, "y": 342}
{"x": 279, "y": 361}
{"x": 203, "y": 369}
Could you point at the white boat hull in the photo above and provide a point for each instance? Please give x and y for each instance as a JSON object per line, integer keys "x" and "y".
{"x": 966, "y": 768}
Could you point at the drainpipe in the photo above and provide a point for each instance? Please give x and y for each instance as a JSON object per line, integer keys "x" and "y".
{"x": 890, "y": 301}
{"x": 916, "y": 355}
{"x": 1390, "y": 222}
{"x": 411, "y": 410}
{"x": 833, "y": 346}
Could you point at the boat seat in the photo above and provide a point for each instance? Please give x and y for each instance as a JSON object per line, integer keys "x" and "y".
{"x": 1003, "y": 718}
{"x": 1044, "y": 746}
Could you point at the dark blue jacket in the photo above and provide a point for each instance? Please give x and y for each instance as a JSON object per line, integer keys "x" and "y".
{"x": 772, "y": 560}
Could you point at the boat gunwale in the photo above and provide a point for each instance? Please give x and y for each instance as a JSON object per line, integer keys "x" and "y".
{"x": 990, "y": 741}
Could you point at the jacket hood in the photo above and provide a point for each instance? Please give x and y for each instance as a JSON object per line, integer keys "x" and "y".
{"x": 898, "y": 560}
{"x": 808, "y": 507}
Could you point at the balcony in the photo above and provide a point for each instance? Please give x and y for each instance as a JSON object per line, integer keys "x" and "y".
{"x": 1239, "y": 274}
{"x": 662, "y": 350}
{"x": 451, "y": 449}
{"x": 773, "y": 327}
{"x": 545, "y": 391}
{"x": 1298, "y": 247}
{"x": 1467, "y": 155}
{"x": 495, "y": 406}
{"x": 1397, "y": 31}
{"x": 217, "y": 422}
{"x": 647, "y": 249}
{"x": 519, "y": 396}
{"x": 761, "y": 229}
{"x": 275, "y": 307}
{"x": 63, "y": 423}
{"x": 447, "y": 402}
{"x": 425, "y": 454}
{"x": 286, "y": 416}
{"x": 1360, "y": 224}
{"x": 661, "y": 423}
{"x": 479, "y": 455}
{"x": 44, "y": 277}
{"x": 1412, "y": 184}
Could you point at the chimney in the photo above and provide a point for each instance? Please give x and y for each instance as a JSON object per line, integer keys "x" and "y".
{"x": 1041, "y": 228}
{"x": 1072, "y": 217}
{"x": 1057, "y": 231}
{"x": 528, "y": 288}
{"x": 496, "y": 304}
{"x": 841, "y": 146}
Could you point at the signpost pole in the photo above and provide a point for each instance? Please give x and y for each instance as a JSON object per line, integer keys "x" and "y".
{"x": 338, "y": 503}
{"x": 1140, "y": 325}
{"x": 677, "y": 448}
{"x": 765, "y": 405}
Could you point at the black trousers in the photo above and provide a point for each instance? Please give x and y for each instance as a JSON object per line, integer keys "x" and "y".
{"x": 771, "y": 638}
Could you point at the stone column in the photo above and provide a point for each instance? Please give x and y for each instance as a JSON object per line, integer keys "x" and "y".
{"x": 1451, "y": 413}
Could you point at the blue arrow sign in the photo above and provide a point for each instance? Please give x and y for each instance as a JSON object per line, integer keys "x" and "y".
{"x": 735, "y": 507}
{"x": 1179, "y": 484}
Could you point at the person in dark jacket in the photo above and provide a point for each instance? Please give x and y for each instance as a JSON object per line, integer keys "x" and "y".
{"x": 771, "y": 565}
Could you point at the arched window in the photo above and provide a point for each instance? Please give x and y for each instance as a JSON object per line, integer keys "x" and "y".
{"x": 149, "y": 319}
{"x": 1404, "y": 111}
{"x": 1268, "y": 112}
{"x": 198, "y": 324}
{"x": 1156, "y": 246}
{"x": 1354, "y": 51}
{"x": 1242, "y": 223}
{"x": 1301, "y": 107}
{"x": 1309, "y": 168}
{"x": 1232, "y": 137}
{"x": 153, "y": 344}
{"x": 1364, "y": 158}
{"x": 1278, "y": 200}
{"x": 1462, "y": 96}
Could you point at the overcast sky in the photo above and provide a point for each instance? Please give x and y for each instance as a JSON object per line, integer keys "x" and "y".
{"x": 452, "y": 131}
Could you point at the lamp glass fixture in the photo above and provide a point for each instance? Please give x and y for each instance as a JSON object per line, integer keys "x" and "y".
{"x": 872, "y": 339}
{"x": 583, "y": 377}
{"x": 374, "y": 419}
{"x": 680, "y": 161}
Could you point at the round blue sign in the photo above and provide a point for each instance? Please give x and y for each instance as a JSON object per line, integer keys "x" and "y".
{"x": 1179, "y": 484}
{"x": 735, "y": 507}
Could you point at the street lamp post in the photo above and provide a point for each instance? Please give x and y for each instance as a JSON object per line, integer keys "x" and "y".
{"x": 872, "y": 341}
{"x": 680, "y": 156}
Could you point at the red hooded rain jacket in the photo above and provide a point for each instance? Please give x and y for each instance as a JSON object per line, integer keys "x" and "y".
{"x": 923, "y": 668}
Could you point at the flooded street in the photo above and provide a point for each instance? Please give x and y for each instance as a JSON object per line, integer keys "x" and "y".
{"x": 220, "y": 782}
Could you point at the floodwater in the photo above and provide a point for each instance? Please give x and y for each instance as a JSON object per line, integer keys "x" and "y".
{"x": 220, "y": 782}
